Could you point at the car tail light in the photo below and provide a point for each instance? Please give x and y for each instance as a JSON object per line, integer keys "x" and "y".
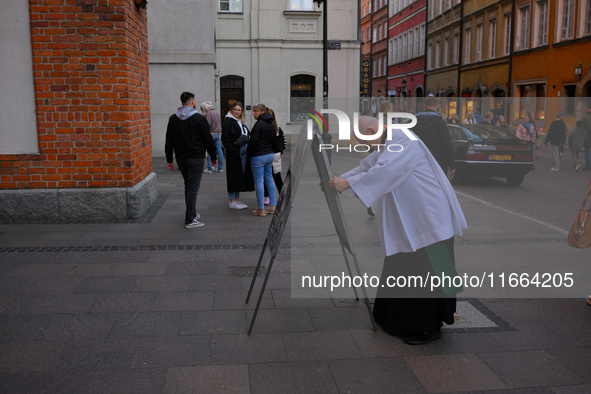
{"x": 471, "y": 154}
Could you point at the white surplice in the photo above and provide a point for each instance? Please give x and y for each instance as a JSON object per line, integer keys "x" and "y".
{"x": 417, "y": 206}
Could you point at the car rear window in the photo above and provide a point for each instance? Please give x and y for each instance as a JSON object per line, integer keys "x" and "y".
{"x": 487, "y": 133}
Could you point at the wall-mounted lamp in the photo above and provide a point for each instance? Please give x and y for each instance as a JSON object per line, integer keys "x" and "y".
{"x": 579, "y": 71}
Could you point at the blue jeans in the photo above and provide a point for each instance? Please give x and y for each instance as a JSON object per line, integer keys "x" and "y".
{"x": 218, "y": 147}
{"x": 262, "y": 172}
{"x": 192, "y": 170}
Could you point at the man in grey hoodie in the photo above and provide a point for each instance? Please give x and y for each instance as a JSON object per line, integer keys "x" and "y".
{"x": 188, "y": 136}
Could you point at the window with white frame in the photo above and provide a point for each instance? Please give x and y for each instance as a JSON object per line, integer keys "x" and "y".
{"x": 301, "y": 5}
{"x": 585, "y": 18}
{"x": 446, "y": 51}
{"x": 230, "y": 5}
{"x": 364, "y": 11}
{"x": 492, "y": 38}
{"x": 457, "y": 48}
{"x": 541, "y": 23}
{"x": 422, "y": 40}
{"x": 369, "y": 7}
{"x": 447, "y": 4}
{"x": 430, "y": 57}
{"x": 393, "y": 8}
{"x": 507, "y": 45}
{"x": 363, "y": 33}
{"x": 467, "y": 45}
{"x": 437, "y": 54}
{"x": 565, "y": 19}
{"x": 390, "y": 50}
{"x": 379, "y": 32}
{"x": 405, "y": 4}
{"x": 522, "y": 37}
{"x": 375, "y": 35}
{"x": 386, "y": 29}
{"x": 374, "y": 69}
{"x": 379, "y": 61}
{"x": 385, "y": 65}
{"x": 431, "y": 8}
{"x": 400, "y": 49}
{"x": 416, "y": 43}
{"x": 404, "y": 46}
{"x": 395, "y": 51}
{"x": 478, "y": 43}
{"x": 411, "y": 53}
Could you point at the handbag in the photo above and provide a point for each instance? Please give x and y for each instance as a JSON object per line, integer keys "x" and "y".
{"x": 580, "y": 234}
{"x": 242, "y": 140}
{"x": 278, "y": 142}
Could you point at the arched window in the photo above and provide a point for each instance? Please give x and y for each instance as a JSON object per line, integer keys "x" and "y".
{"x": 302, "y": 91}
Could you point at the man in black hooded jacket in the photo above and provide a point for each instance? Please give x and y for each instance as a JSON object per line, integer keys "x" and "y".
{"x": 432, "y": 130}
{"x": 188, "y": 136}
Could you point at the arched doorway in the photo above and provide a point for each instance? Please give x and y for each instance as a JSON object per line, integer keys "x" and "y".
{"x": 231, "y": 90}
{"x": 419, "y": 94}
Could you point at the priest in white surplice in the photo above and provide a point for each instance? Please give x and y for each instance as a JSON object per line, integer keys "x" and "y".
{"x": 418, "y": 216}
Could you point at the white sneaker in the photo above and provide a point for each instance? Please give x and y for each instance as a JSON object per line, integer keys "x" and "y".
{"x": 241, "y": 204}
{"x": 208, "y": 171}
{"x": 218, "y": 170}
{"x": 554, "y": 169}
{"x": 195, "y": 223}
{"x": 235, "y": 205}
{"x": 577, "y": 167}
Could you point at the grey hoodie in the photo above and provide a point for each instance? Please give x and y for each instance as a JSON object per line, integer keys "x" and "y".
{"x": 184, "y": 113}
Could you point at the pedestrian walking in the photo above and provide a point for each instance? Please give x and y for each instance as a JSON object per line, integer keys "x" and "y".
{"x": 576, "y": 141}
{"x": 238, "y": 171}
{"x": 432, "y": 130}
{"x": 453, "y": 119}
{"x": 526, "y": 131}
{"x": 556, "y": 137}
{"x": 188, "y": 137}
{"x": 215, "y": 128}
{"x": 469, "y": 118}
{"x": 260, "y": 152}
{"x": 420, "y": 215}
{"x": 587, "y": 147}
{"x": 477, "y": 117}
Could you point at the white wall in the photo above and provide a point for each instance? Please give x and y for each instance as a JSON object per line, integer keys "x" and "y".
{"x": 181, "y": 56}
{"x": 18, "y": 122}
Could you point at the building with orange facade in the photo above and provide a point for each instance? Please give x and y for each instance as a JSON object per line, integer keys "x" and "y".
{"x": 379, "y": 51}
{"x": 551, "y": 60}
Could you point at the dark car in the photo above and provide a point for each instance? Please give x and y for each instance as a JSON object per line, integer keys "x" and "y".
{"x": 489, "y": 151}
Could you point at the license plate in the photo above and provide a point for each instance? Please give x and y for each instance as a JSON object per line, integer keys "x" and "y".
{"x": 500, "y": 157}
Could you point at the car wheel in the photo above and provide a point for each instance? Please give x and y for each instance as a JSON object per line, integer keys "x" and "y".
{"x": 515, "y": 180}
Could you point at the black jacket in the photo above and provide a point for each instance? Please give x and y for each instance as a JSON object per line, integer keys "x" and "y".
{"x": 557, "y": 132}
{"x": 189, "y": 138}
{"x": 432, "y": 130}
{"x": 238, "y": 179}
{"x": 261, "y": 136}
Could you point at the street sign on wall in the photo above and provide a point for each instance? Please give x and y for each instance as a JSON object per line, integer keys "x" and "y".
{"x": 366, "y": 76}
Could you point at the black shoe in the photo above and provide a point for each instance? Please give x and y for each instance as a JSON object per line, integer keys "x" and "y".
{"x": 370, "y": 211}
{"x": 423, "y": 337}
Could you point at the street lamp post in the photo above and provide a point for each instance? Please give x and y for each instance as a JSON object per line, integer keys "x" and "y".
{"x": 325, "y": 134}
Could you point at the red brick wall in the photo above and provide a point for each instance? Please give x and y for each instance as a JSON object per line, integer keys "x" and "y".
{"x": 91, "y": 97}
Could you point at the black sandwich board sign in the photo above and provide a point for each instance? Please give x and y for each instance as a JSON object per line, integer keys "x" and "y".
{"x": 283, "y": 209}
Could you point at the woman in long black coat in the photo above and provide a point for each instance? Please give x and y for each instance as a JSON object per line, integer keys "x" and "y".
{"x": 238, "y": 171}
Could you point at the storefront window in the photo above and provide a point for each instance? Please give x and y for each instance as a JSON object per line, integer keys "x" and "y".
{"x": 302, "y": 88}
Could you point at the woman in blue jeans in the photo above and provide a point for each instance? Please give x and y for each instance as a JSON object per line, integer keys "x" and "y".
{"x": 260, "y": 151}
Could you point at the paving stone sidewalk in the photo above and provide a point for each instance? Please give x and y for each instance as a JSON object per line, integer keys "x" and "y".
{"x": 147, "y": 306}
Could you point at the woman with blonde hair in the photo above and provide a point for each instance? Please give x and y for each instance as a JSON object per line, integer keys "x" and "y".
{"x": 260, "y": 152}
{"x": 238, "y": 172}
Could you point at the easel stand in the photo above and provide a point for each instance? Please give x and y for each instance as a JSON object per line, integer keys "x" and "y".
{"x": 283, "y": 209}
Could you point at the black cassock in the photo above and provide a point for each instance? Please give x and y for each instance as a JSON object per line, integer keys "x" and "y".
{"x": 402, "y": 310}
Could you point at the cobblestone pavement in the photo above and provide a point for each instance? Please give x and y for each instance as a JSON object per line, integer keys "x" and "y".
{"x": 147, "y": 306}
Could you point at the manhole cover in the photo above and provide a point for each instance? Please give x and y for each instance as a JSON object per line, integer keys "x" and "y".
{"x": 245, "y": 272}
